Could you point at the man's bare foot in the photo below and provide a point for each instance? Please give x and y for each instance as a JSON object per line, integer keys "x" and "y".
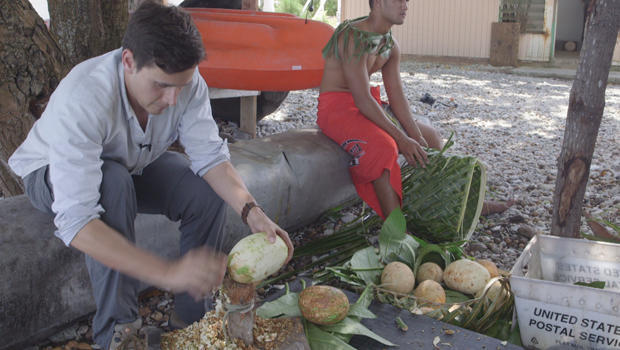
{"x": 494, "y": 207}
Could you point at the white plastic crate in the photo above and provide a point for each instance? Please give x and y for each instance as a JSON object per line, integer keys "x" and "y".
{"x": 551, "y": 310}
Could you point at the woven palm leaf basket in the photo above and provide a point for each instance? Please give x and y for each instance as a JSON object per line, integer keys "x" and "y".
{"x": 443, "y": 202}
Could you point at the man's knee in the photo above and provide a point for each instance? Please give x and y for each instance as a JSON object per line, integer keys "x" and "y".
{"x": 197, "y": 196}
{"x": 116, "y": 183}
{"x": 117, "y": 197}
{"x": 431, "y": 135}
{"x": 387, "y": 148}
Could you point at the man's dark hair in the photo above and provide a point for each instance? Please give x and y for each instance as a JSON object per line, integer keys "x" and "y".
{"x": 165, "y": 36}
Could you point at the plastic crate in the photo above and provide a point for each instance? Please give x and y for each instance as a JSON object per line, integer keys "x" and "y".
{"x": 551, "y": 310}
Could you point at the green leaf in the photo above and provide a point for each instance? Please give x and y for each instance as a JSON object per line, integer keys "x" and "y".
{"x": 394, "y": 242}
{"x": 432, "y": 253}
{"x": 321, "y": 340}
{"x": 358, "y": 310}
{"x": 366, "y": 259}
{"x": 443, "y": 201}
{"x": 515, "y": 336}
{"x": 366, "y": 297}
{"x": 286, "y": 305}
{"x": 595, "y": 284}
{"x": 597, "y": 238}
{"x": 453, "y": 296}
{"x": 350, "y": 278}
{"x": 500, "y": 329}
{"x": 350, "y": 326}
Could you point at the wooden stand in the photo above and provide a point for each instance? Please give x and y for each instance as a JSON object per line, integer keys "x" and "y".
{"x": 247, "y": 118}
{"x": 240, "y": 325}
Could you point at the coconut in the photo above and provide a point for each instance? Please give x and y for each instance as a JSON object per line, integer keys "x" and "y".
{"x": 429, "y": 271}
{"x": 397, "y": 277}
{"x": 431, "y": 291}
{"x": 466, "y": 276}
{"x": 324, "y": 305}
{"x": 490, "y": 266}
{"x": 254, "y": 258}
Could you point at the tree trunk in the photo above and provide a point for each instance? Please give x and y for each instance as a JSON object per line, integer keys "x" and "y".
{"x": 114, "y": 14}
{"x": 134, "y": 4}
{"x": 31, "y": 65}
{"x": 585, "y": 110}
{"x": 88, "y": 28}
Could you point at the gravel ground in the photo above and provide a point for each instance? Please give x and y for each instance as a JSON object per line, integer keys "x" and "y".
{"x": 514, "y": 124}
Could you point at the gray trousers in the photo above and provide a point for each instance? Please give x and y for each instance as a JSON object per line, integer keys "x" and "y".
{"x": 167, "y": 186}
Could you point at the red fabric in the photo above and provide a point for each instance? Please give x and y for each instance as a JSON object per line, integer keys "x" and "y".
{"x": 373, "y": 150}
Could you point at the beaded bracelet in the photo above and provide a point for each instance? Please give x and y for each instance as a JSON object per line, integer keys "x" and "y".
{"x": 246, "y": 210}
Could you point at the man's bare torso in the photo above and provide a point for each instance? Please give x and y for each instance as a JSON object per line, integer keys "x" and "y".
{"x": 333, "y": 75}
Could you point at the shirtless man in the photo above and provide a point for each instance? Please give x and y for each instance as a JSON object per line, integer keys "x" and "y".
{"x": 351, "y": 113}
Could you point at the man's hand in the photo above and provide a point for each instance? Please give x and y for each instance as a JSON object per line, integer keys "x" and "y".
{"x": 260, "y": 222}
{"x": 412, "y": 151}
{"x": 198, "y": 272}
{"x": 416, "y": 134}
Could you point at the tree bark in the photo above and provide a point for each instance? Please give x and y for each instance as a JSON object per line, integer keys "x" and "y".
{"x": 115, "y": 15}
{"x": 585, "y": 111}
{"x": 31, "y": 66}
{"x": 88, "y": 28}
{"x": 134, "y": 4}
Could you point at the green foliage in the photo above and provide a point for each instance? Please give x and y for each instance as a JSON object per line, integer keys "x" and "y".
{"x": 595, "y": 284}
{"x": 331, "y": 7}
{"x": 287, "y": 305}
{"x": 367, "y": 266}
{"x": 443, "y": 201}
{"x": 395, "y": 244}
{"x": 332, "y": 337}
{"x": 351, "y": 327}
{"x": 290, "y": 6}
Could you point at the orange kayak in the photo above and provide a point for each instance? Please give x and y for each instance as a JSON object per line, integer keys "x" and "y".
{"x": 266, "y": 51}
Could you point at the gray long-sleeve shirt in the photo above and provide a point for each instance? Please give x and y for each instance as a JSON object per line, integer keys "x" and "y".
{"x": 89, "y": 119}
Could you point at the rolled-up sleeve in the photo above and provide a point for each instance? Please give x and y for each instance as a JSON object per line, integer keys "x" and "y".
{"x": 75, "y": 149}
{"x": 198, "y": 132}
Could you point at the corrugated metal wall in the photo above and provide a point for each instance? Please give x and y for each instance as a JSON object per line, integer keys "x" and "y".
{"x": 458, "y": 28}
{"x": 537, "y": 47}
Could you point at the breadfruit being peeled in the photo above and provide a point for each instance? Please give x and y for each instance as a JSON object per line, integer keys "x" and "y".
{"x": 254, "y": 258}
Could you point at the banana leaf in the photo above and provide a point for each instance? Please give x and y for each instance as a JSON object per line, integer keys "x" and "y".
{"x": 334, "y": 336}
{"x": 394, "y": 242}
{"x": 443, "y": 202}
{"x": 352, "y": 327}
{"x": 321, "y": 340}
{"x": 287, "y": 305}
{"x": 366, "y": 265}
